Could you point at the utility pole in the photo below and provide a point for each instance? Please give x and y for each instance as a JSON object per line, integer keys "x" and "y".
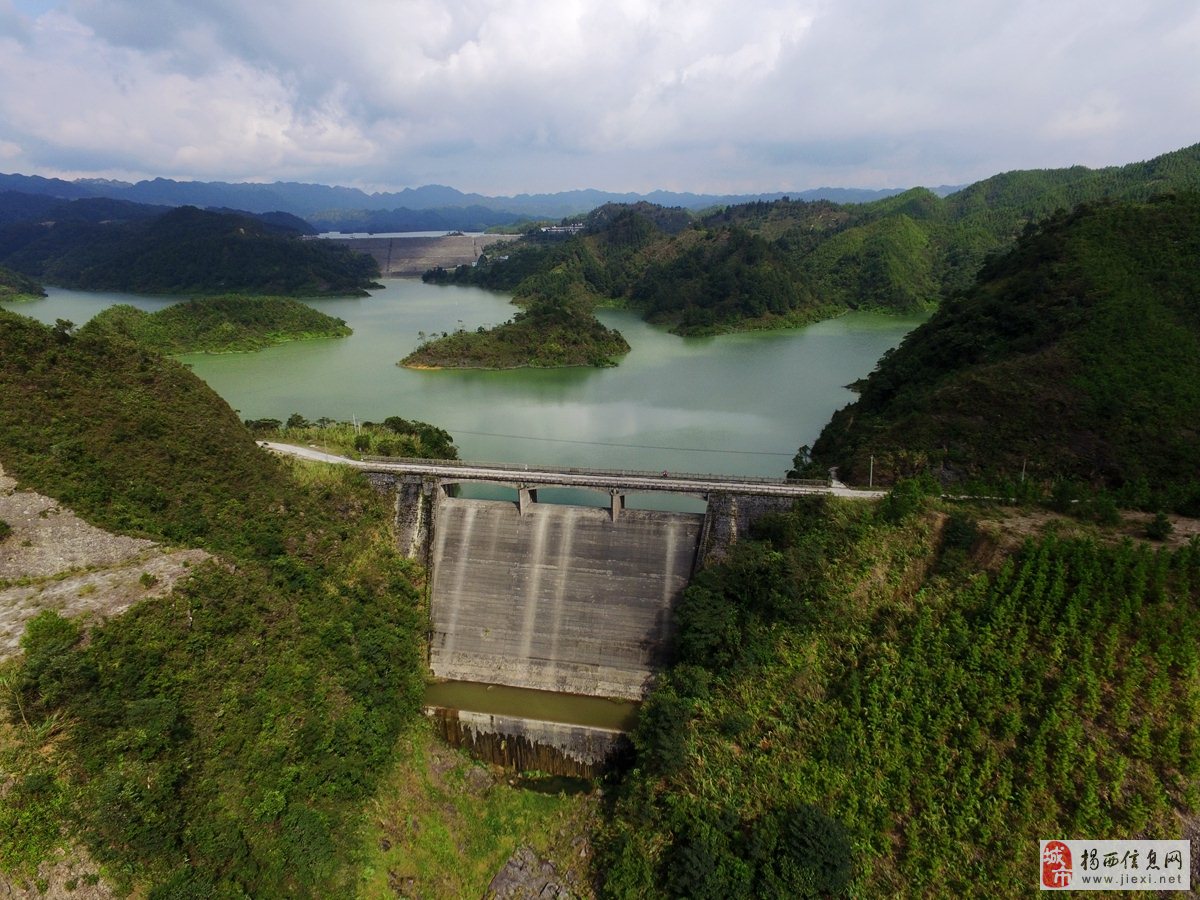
{"x": 871, "y": 474}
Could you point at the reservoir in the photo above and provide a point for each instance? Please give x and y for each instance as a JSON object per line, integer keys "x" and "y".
{"x": 730, "y": 404}
{"x": 738, "y": 404}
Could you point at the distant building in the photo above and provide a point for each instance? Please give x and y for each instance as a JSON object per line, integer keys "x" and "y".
{"x": 573, "y": 228}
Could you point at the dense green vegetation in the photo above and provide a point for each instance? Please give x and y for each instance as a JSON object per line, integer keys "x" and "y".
{"x": 766, "y": 264}
{"x": 728, "y": 278}
{"x": 856, "y": 708}
{"x": 394, "y": 436}
{"x": 544, "y": 334}
{"x": 15, "y": 286}
{"x": 218, "y": 324}
{"x": 182, "y": 251}
{"x": 220, "y": 742}
{"x": 695, "y": 281}
{"x": 1076, "y": 356}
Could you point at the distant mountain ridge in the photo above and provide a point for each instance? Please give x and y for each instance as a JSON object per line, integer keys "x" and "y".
{"x": 318, "y": 202}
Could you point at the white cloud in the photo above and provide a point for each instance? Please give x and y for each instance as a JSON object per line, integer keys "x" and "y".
{"x": 509, "y": 95}
{"x": 1099, "y": 115}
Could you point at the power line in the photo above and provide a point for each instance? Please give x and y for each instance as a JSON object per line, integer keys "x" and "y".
{"x": 526, "y": 437}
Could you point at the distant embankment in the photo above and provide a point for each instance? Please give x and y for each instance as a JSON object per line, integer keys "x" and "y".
{"x": 417, "y": 255}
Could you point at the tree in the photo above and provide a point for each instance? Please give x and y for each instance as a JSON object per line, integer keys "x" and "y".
{"x": 62, "y": 330}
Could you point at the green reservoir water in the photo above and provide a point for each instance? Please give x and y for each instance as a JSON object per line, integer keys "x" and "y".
{"x": 501, "y": 700}
{"x": 736, "y": 404}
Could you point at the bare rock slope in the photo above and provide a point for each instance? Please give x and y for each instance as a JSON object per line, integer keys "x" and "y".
{"x": 52, "y": 559}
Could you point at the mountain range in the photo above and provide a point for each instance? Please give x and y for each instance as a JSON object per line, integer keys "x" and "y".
{"x": 329, "y": 204}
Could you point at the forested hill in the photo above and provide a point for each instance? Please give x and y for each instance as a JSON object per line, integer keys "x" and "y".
{"x": 219, "y": 742}
{"x": 762, "y": 264}
{"x": 349, "y": 207}
{"x": 15, "y": 286}
{"x": 1075, "y": 355}
{"x": 113, "y": 245}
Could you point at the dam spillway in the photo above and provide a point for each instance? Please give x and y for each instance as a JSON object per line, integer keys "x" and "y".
{"x": 556, "y": 598}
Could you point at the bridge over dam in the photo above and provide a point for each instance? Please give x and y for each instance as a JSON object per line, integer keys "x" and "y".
{"x": 553, "y": 597}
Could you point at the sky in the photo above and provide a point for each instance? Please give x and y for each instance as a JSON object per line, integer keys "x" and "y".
{"x": 510, "y": 96}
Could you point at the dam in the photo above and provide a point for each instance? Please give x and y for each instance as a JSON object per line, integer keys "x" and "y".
{"x": 406, "y": 256}
{"x": 559, "y": 598}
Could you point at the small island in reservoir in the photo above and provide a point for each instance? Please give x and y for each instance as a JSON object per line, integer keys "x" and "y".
{"x": 543, "y": 335}
{"x": 218, "y": 324}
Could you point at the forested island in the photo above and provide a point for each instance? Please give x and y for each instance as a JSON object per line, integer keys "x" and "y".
{"x": 218, "y": 324}
{"x": 789, "y": 262}
{"x": 110, "y": 245}
{"x": 542, "y": 335}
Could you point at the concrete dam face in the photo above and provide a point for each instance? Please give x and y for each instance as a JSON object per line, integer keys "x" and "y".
{"x": 563, "y": 599}
{"x": 556, "y": 598}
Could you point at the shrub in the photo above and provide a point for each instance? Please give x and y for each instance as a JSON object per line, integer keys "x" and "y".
{"x": 1159, "y": 528}
{"x": 705, "y": 860}
{"x": 906, "y": 498}
{"x": 958, "y": 537}
{"x": 1102, "y": 510}
{"x": 801, "y": 852}
{"x": 51, "y": 672}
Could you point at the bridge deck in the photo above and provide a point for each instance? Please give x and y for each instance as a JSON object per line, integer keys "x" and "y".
{"x": 615, "y": 480}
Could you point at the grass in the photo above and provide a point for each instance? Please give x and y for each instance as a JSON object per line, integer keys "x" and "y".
{"x": 37, "y": 795}
{"x": 442, "y": 824}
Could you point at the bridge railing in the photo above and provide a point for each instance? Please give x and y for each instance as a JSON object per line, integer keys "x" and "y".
{"x": 519, "y": 469}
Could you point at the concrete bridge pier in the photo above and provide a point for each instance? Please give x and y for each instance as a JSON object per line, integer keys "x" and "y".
{"x": 617, "y": 503}
{"x": 525, "y": 497}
